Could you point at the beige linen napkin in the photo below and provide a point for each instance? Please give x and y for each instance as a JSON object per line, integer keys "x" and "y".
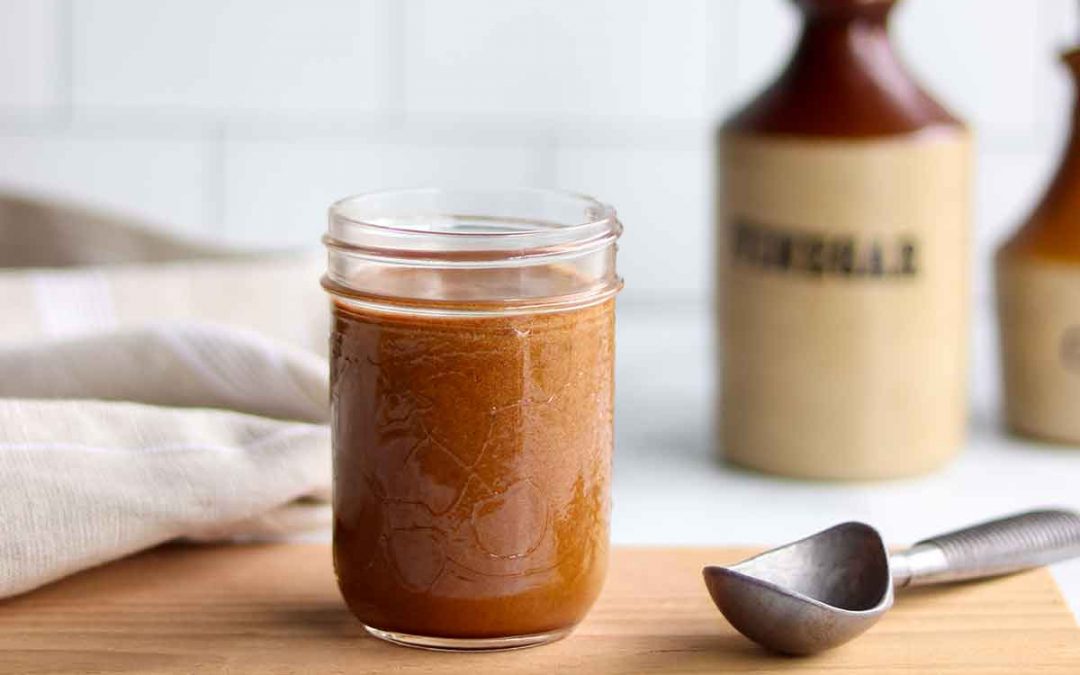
{"x": 149, "y": 392}
{"x": 68, "y": 271}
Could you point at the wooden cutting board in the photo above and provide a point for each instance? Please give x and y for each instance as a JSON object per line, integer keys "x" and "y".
{"x": 275, "y": 609}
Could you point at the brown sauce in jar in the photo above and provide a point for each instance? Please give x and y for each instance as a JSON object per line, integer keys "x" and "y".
{"x": 472, "y": 459}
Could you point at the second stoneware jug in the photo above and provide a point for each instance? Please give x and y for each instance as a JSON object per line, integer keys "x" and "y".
{"x": 1038, "y": 283}
{"x": 843, "y": 261}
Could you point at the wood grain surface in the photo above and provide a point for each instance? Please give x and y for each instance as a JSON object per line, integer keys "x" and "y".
{"x": 275, "y": 609}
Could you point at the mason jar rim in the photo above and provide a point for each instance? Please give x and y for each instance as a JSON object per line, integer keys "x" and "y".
{"x": 475, "y": 251}
{"x": 396, "y": 224}
{"x": 603, "y": 212}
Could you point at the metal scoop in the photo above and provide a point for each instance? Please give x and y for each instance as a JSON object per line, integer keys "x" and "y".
{"x": 824, "y": 590}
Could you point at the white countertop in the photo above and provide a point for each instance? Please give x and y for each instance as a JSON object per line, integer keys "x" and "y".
{"x": 670, "y": 490}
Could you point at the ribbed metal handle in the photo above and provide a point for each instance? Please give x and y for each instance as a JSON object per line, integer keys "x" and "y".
{"x": 996, "y": 547}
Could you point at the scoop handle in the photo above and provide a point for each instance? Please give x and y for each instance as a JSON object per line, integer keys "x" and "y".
{"x": 989, "y": 549}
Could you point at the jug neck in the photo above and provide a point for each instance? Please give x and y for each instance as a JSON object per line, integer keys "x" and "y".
{"x": 846, "y": 39}
{"x": 1052, "y": 231}
{"x": 846, "y": 9}
{"x": 1064, "y": 186}
{"x": 1071, "y": 59}
{"x": 844, "y": 80}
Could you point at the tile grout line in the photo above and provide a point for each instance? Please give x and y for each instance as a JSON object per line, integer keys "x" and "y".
{"x": 547, "y": 165}
{"x": 215, "y": 181}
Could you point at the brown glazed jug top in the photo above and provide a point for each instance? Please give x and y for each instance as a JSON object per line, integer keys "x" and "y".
{"x": 1053, "y": 229}
{"x": 844, "y": 80}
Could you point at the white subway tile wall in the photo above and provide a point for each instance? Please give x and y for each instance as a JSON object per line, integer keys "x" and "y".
{"x": 971, "y": 58}
{"x": 758, "y": 39}
{"x": 161, "y": 180}
{"x": 669, "y": 253}
{"x": 29, "y": 55}
{"x": 243, "y": 119}
{"x": 277, "y": 191}
{"x": 617, "y": 58}
{"x": 231, "y": 57}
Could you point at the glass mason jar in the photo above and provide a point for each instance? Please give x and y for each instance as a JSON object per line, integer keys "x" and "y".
{"x": 471, "y": 384}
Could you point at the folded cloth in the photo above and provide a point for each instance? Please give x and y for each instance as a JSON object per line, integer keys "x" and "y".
{"x": 119, "y": 435}
{"x": 67, "y": 271}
